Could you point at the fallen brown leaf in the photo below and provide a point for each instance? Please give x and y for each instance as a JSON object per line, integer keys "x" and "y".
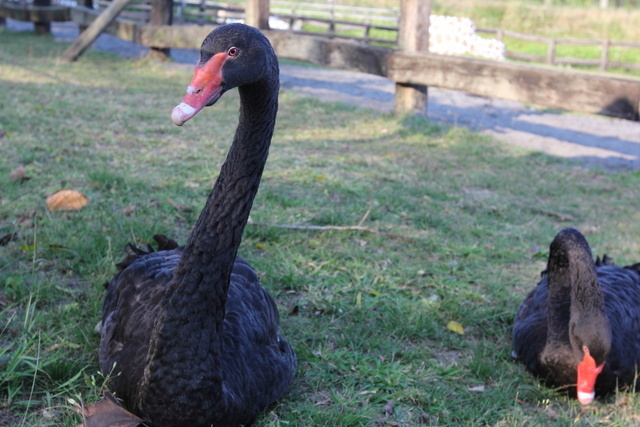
{"x": 67, "y": 200}
{"x": 107, "y": 412}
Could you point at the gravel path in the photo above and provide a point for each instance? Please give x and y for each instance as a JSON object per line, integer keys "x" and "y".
{"x": 593, "y": 141}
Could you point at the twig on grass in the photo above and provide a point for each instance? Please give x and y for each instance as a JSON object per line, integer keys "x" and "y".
{"x": 314, "y": 227}
{"x": 358, "y": 227}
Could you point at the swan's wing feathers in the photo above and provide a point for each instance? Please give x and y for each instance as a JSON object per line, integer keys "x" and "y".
{"x": 259, "y": 362}
{"x": 129, "y": 310}
{"x": 634, "y": 267}
{"x": 621, "y": 290}
{"x": 530, "y": 326}
{"x": 135, "y": 252}
{"x": 250, "y": 300}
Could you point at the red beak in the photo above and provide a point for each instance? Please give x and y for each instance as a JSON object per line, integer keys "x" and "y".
{"x": 587, "y": 374}
{"x": 205, "y": 89}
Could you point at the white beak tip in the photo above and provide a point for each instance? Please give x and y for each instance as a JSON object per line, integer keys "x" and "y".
{"x": 586, "y": 398}
{"x": 181, "y": 113}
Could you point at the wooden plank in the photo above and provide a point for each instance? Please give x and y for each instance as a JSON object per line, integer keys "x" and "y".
{"x": 121, "y": 28}
{"x": 629, "y": 65}
{"x": 625, "y": 44}
{"x": 525, "y": 56}
{"x": 331, "y": 53}
{"x": 88, "y": 36}
{"x": 318, "y": 50}
{"x": 29, "y": 13}
{"x": 577, "y": 61}
{"x": 169, "y": 36}
{"x": 551, "y": 88}
{"x": 343, "y": 37}
{"x": 527, "y": 37}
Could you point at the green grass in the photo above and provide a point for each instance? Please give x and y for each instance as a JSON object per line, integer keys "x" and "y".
{"x": 459, "y": 230}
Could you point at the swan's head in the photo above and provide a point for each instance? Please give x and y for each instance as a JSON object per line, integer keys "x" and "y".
{"x": 231, "y": 56}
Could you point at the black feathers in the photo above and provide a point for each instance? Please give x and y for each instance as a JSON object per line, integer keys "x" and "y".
{"x": 580, "y": 302}
{"x": 189, "y": 336}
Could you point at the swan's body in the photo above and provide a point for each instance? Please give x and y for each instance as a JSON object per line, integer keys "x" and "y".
{"x": 189, "y": 336}
{"x": 579, "y": 328}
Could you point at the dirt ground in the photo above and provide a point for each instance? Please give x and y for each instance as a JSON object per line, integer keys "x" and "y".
{"x": 591, "y": 141}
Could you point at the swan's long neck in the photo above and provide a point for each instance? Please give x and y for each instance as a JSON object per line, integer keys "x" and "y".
{"x": 187, "y": 342}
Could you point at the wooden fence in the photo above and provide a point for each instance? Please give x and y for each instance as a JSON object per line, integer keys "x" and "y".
{"x": 369, "y": 25}
{"x": 551, "y": 58}
{"x": 576, "y": 91}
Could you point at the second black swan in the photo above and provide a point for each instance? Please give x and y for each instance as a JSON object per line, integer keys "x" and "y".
{"x": 189, "y": 336}
{"x": 579, "y": 328}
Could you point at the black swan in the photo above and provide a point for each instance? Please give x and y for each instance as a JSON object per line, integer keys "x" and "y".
{"x": 189, "y": 336}
{"x": 579, "y": 328}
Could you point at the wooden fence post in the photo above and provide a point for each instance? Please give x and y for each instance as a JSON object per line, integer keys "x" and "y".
{"x": 604, "y": 58}
{"x": 42, "y": 27}
{"x": 413, "y": 36}
{"x": 87, "y": 4}
{"x": 256, "y": 14}
{"x": 161, "y": 14}
{"x": 551, "y": 52}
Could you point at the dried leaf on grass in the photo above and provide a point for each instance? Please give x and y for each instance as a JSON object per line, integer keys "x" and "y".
{"x": 107, "y": 412}
{"x": 67, "y": 200}
{"x": 455, "y": 327}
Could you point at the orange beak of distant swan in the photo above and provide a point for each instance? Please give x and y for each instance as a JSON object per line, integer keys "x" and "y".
{"x": 587, "y": 374}
{"x": 205, "y": 89}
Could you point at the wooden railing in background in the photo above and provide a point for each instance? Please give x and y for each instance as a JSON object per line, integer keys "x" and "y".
{"x": 564, "y": 89}
{"x": 331, "y": 20}
{"x": 551, "y": 57}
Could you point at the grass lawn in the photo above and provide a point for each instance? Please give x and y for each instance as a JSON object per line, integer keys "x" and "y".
{"x": 457, "y": 229}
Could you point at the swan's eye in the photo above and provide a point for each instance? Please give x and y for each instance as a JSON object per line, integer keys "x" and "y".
{"x": 233, "y": 51}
